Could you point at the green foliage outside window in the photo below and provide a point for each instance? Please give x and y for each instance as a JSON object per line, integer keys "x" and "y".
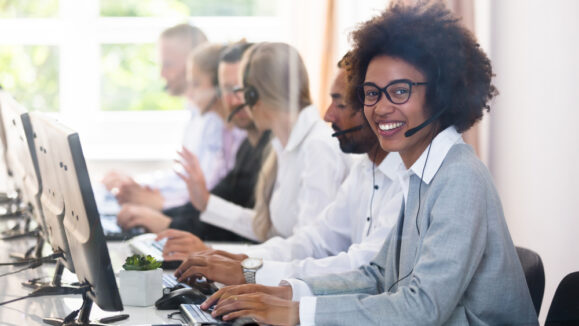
{"x": 171, "y": 8}
{"x": 131, "y": 81}
{"x": 30, "y": 74}
{"x": 28, "y": 8}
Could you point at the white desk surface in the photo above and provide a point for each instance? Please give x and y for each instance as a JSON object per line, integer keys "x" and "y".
{"x": 31, "y": 311}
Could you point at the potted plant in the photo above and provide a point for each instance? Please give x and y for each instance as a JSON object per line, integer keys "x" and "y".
{"x": 141, "y": 281}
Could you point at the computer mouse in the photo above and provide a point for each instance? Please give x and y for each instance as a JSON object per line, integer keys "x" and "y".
{"x": 173, "y": 299}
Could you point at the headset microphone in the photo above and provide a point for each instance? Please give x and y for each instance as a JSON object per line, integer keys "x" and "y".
{"x": 414, "y": 130}
{"x": 235, "y": 111}
{"x": 347, "y": 131}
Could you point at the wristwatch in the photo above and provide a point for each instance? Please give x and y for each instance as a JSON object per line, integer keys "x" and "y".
{"x": 250, "y": 266}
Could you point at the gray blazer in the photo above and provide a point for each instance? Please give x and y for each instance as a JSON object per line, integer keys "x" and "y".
{"x": 457, "y": 263}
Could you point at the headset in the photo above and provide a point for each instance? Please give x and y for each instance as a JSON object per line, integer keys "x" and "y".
{"x": 250, "y": 94}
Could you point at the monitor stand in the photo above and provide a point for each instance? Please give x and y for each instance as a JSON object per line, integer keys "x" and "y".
{"x": 54, "y": 287}
{"x": 18, "y": 231}
{"x": 32, "y": 252}
{"x": 83, "y": 314}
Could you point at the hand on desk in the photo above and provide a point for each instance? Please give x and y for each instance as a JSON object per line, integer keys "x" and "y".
{"x": 131, "y": 216}
{"x": 114, "y": 179}
{"x": 194, "y": 179}
{"x": 266, "y": 304}
{"x": 216, "y": 265}
{"x": 127, "y": 191}
{"x": 180, "y": 244}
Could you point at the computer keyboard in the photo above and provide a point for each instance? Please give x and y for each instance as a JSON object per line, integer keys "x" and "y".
{"x": 113, "y": 231}
{"x": 196, "y": 316}
{"x": 170, "y": 281}
{"x": 145, "y": 244}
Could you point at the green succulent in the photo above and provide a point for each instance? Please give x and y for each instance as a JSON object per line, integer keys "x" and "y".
{"x": 141, "y": 263}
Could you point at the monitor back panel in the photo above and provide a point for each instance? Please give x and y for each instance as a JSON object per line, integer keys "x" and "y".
{"x": 81, "y": 218}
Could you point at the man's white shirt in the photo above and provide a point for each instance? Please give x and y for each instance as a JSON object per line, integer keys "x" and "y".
{"x": 347, "y": 234}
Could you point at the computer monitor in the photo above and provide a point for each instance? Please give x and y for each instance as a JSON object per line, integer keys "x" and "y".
{"x": 51, "y": 198}
{"x": 61, "y": 146}
{"x": 21, "y": 158}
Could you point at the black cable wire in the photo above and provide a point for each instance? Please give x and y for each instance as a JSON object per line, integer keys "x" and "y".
{"x": 374, "y": 188}
{"x": 34, "y": 261}
{"x": 418, "y": 211}
{"x": 34, "y": 265}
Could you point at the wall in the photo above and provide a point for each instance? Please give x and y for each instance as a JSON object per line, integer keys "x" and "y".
{"x": 534, "y": 150}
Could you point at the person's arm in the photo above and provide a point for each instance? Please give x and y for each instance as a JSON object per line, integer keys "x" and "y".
{"x": 229, "y": 216}
{"x": 452, "y": 247}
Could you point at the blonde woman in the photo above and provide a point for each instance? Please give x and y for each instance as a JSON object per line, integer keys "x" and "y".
{"x": 306, "y": 167}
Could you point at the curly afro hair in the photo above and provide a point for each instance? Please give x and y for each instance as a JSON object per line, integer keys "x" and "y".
{"x": 431, "y": 39}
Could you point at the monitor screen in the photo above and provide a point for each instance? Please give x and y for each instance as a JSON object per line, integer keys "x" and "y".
{"x": 81, "y": 218}
{"x": 21, "y": 156}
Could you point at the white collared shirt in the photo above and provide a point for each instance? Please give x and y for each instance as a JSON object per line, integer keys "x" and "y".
{"x": 347, "y": 234}
{"x": 440, "y": 146}
{"x": 310, "y": 170}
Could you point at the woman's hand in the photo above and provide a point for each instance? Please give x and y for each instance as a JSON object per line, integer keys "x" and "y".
{"x": 263, "y": 308}
{"x": 131, "y": 216}
{"x": 180, "y": 244}
{"x": 194, "y": 179}
{"x": 282, "y": 292}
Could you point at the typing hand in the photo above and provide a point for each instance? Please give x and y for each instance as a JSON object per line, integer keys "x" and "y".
{"x": 180, "y": 244}
{"x": 262, "y": 307}
{"x": 114, "y": 179}
{"x": 134, "y": 193}
{"x": 213, "y": 266}
{"x": 282, "y": 292}
{"x": 131, "y": 216}
{"x": 194, "y": 179}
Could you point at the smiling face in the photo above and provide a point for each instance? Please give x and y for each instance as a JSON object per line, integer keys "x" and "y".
{"x": 390, "y": 121}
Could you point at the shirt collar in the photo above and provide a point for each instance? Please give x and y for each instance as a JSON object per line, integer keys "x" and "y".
{"x": 390, "y": 165}
{"x": 439, "y": 147}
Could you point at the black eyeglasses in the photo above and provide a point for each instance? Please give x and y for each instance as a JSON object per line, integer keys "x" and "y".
{"x": 397, "y": 92}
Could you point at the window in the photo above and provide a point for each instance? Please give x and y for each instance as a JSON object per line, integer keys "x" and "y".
{"x": 94, "y": 63}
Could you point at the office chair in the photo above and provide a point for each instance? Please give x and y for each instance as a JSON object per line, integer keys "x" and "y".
{"x": 534, "y": 274}
{"x": 564, "y": 310}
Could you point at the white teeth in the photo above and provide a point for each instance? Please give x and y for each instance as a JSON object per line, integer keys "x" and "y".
{"x": 389, "y": 126}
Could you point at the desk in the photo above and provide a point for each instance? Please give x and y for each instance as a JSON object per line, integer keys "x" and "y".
{"x": 31, "y": 311}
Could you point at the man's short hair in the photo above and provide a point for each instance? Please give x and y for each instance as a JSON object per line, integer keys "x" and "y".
{"x": 234, "y": 52}
{"x": 191, "y": 34}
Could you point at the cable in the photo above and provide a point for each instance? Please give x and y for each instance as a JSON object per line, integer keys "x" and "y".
{"x": 22, "y": 269}
{"x": 374, "y": 188}
{"x": 38, "y": 293}
{"x": 34, "y": 261}
{"x": 418, "y": 211}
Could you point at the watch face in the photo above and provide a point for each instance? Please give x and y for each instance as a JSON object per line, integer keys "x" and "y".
{"x": 251, "y": 263}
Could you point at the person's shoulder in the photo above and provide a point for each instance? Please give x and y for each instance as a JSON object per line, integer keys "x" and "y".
{"x": 462, "y": 163}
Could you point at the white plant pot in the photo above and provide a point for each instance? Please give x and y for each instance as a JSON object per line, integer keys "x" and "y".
{"x": 140, "y": 288}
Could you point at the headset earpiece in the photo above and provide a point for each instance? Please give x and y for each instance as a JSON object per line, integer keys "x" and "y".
{"x": 250, "y": 94}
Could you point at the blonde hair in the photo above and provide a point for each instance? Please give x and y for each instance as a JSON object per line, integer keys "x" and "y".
{"x": 278, "y": 73}
{"x": 206, "y": 58}
{"x": 261, "y": 222}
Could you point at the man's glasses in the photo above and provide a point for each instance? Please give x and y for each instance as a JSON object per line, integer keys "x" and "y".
{"x": 397, "y": 92}
{"x": 237, "y": 91}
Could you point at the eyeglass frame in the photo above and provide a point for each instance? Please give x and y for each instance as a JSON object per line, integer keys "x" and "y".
{"x": 383, "y": 90}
